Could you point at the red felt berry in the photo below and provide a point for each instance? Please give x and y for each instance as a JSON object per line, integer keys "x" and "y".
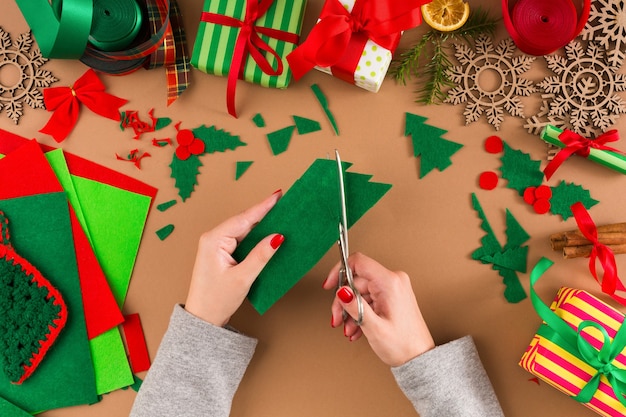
{"x": 185, "y": 137}
{"x": 493, "y": 144}
{"x": 183, "y": 153}
{"x": 488, "y": 180}
{"x": 543, "y": 191}
{"x": 541, "y": 206}
{"x": 196, "y": 147}
{"x": 529, "y": 195}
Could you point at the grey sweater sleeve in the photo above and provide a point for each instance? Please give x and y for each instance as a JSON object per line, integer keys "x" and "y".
{"x": 449, "y": 380}
{"x": 196, "y": 371}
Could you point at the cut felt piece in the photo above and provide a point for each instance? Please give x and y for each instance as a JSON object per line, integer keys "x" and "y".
{"x": 304, "y": 125}
{"x": 308, "y": 216}
{"x": 242, "y": 167}
{"x": 280, "y": 139}
{"x": 34, "y": 313}
{"x": 42, "y": 233}
{"x": 136, "y": 343}
{"x": 165, "y": 231}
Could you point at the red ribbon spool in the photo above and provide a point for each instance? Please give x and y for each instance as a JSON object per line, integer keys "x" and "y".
{"x": 540, "y": 27}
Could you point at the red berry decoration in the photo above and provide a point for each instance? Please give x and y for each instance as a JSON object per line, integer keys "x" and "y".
{"x": 493, "y": 144}
{"x": 188, "y": 144}
{"x": 33, "y": 312}
{"x": 539, "y": 198}
{"x": 488, "y": 180}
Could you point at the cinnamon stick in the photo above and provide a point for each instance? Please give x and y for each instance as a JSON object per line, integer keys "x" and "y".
{"x": 609, "y": 234}
{"x": 583, "y": 251}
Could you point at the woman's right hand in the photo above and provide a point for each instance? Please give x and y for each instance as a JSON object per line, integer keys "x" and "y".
{"x": 392, "y": 321}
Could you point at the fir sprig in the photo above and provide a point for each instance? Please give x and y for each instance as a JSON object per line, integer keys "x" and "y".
{"x": 435, "y": 70}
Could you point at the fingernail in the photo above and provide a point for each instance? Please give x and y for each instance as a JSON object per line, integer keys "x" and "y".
{"x": 280, "y": 190}
{"x": 345, "y": 295}
{"x": 332, "y": 321}
{"x": 276, "y": 241}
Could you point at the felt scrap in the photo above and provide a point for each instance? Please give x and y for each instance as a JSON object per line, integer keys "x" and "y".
{"x": 34, "y": 312}
{"x": 130, "y": 118}
{"x": 161, "y": 143}
{"x": 505, "y": 259}
{"x": 428, "y": 143}
{"x": 134, "y": 156}
{"x": 279, "y": 139}
{"x": 308, "y": 216}
{"x": 136, "y": 343}
{"x": 166, "y": 205}
{"x": 42, "y": 233}
{"x": 258, "y": 120}
{"x": 304, "y": 125}
{"x": 164, "y": 232}
{"x": 242, "y": 167}
{"x": 321, "y": 98}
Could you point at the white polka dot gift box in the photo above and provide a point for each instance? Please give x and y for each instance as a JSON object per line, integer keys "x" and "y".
{"x": 354, "y": 40}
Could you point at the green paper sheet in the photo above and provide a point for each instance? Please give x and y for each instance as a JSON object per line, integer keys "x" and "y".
{"x": 41, "y": 232}
{"x": 308, "y": 216}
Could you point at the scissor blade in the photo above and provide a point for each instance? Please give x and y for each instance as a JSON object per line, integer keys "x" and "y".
{"x": 342, "y": 199}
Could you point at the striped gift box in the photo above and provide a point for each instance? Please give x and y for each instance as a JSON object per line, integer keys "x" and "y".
{"x": 561, "y": 366}
{"x": 214, "y": 45}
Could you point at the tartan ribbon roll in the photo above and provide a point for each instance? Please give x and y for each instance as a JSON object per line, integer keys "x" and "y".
{"x": 62, "y": 30}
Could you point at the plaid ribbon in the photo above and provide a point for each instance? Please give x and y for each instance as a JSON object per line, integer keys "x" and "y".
{"x": 165, "y": 46}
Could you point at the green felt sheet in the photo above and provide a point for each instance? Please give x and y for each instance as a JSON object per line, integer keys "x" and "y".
{"x": 111, "y": 365}
{"x": 308, "y": 216}
{"x": 42, "y": 233}
{"x": 9, "y": 410}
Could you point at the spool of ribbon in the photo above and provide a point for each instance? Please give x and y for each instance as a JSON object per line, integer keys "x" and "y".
{"x": 65, "y": 102}
{"x": 574, "y": 144}
{"x": 250, "y": 43}
{"x": 63, "y": 28}
{"x": 601, "y": 253}
{"x": 574, "y": 342}
{"x": 338, "y": 38}
{"x": 540, "y": 27}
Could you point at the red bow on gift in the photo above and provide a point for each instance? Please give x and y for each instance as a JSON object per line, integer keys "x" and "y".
{"x": 579, "y": 145}
{"x": 600, "y": 252}
{"x": 65, "y": 103}
{"x": 338, "y": 39}
{"x": 249, "y": 42}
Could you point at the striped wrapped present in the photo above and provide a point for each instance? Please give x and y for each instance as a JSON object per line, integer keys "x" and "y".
{"x": 249, "y": 40}
{"x": 580, "y": 348}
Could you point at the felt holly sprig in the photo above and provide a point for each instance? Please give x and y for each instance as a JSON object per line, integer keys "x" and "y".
{"x": 33, "y": 312}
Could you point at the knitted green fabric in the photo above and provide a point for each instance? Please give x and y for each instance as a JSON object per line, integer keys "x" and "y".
{"x": 33, "y": 312}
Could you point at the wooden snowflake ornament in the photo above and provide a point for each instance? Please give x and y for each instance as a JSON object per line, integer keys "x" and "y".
{"x": 606, "y": 25}
{"x": 21, "y": 75}
{"x": 499, "y": 63}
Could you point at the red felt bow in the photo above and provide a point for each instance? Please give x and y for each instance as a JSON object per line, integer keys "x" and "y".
{"x": 249, "y": 42}
{"x": 600, "y": 252}
{"x": 579, "y": 145}
{"x": 338, "y": 39}
{"x": 65, "y": 103}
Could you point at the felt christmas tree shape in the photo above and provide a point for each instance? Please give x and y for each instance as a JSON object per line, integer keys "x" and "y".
{"x": 308, "y": 216}
{"x": 435, "y": 152}
{"x": 33, "y": 312}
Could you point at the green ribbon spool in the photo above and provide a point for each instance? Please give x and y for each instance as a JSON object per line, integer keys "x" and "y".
{"x": 115, "y": 25}
{"x": 560, "y": 333}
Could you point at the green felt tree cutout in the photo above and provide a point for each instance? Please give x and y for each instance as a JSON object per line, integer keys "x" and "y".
{"x": 33, "y": 312}
{"x": 308, "y": 216}
{"x": 564, "y": 195}
{"x": 508, "y": 259}
{"x": 435, "y": 152}
{"x": 520, "y": 170}
{"x": 185, "y": 172}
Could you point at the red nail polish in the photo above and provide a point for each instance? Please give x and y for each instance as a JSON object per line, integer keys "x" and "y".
{"x": 276, "y": 241}
{"x": 345, "y": 295}
{"x": 280, "y": 190}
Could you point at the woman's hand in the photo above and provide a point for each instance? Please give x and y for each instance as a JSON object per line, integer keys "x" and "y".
{"x": 392, "y": 321}
{"x": 218, "y": 283}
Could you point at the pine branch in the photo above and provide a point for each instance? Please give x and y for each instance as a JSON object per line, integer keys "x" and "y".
{"x": 436, "y": 73}
{"x": 479, "y": 22}
{"x": 408, "y": 64}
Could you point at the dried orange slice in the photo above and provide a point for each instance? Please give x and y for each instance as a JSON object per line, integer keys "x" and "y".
{"x": 445, "y": 15}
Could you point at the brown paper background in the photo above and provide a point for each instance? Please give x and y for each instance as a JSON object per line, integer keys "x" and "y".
{"x": 424, "y": 226}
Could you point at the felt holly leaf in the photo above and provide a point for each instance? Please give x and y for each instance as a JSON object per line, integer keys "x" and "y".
{"x": 566, "y": 194}
{"x": 435, "y": 152}
{"x": 308, "y": 216}
{"x": 33, "y": 312}
{"x": 185, "y": 173}
{"x": 520, "y": 170}
{"x": 217, "y": 140}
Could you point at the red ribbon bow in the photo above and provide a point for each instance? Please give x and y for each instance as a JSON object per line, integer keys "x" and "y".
{"x": 250, "y": 43}
{"x": 338, "y": 39}
{"x": 65, "y": 103}
{"x": 579, "y": 145}
{"x": 600, "y": 252}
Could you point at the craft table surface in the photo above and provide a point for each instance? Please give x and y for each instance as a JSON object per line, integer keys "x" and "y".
{"x": 426, "y": 227}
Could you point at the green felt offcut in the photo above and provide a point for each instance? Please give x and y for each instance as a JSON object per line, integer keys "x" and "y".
{"x": 164, "y": 232}
{"x": 304, "y": 125}
{"x": 258, "y": 120}
{"x": 242, "y": 167}
{"x": 279, "y": 139}
{"x": 308, "y": 216}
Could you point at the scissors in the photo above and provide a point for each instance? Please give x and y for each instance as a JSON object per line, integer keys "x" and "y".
{"x": 345, "y": 272}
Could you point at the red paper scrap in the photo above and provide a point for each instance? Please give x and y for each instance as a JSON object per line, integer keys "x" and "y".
{"x": 136, "y": 343}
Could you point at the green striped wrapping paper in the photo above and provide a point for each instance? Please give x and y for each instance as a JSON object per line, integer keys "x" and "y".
{"x": 215, "y": 44}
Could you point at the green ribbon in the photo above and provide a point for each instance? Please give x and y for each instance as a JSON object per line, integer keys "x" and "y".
{"x": 116, "y": 24}
{"x": 59, "y": 36}
{"x": 560, "y": 333}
